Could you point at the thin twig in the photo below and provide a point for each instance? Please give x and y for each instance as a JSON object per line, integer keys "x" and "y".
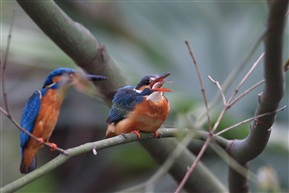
{"x": 193, "y": 166}
{"x": 247, "y": 120}
{"x": 26, "y": 132}
{"x": 246, "y": 77}
{"x": 4, "y": 63}
{"x": 229, "y": 80}
{"x": 220, "y": 88}
{"x": 210, "y": 137}
{"x": 246, "y": 92}
{"x": 201, "y": 83}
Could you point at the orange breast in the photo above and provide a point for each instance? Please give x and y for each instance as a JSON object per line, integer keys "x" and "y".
{"x": 44, "y": 125}
{"x": 48, "y": 114}
{"x": 147, "y": 116}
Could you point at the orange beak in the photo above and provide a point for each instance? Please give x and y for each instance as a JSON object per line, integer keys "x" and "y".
{"x": 157, "y": 84}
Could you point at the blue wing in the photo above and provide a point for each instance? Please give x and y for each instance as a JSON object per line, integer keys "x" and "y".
{"x": 123, "y": 102}
{"x": 29, "y": 115}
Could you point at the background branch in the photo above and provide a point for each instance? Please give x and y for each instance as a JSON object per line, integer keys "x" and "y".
{"x": 78, "y": 43}
{"x": 247, "y": 149}
{"x": 230, "y": 79}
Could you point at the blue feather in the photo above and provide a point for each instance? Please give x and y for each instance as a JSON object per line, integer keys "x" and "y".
{"x": 29, "y": 116}
{"x": 124, "y": 102}
{"x": 57, "y": 72}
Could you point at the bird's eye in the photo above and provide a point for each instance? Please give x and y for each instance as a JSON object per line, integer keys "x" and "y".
{"x": 147, "y": 82}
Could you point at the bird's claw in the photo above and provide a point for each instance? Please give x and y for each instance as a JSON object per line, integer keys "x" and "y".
{"x": 40, "y": 141}
{"x": 157, "y": 135}
{"x": 137, "y": 133}
{"x": 53, "y": 146}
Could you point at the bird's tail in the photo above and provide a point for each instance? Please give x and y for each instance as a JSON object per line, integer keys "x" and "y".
{"x": 27, "y": 166}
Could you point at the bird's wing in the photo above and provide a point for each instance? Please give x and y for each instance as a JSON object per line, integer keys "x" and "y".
{"x": 123, "y": 102}
{"x": 29, "y": 115}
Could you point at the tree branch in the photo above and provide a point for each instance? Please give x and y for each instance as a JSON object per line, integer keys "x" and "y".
{"x": 247, "y": 149}
{"x": 118, "y": 140}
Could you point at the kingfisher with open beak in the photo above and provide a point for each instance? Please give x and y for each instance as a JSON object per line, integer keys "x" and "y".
{"x": 42, "y": 110}
{"x": 141, "y": 108}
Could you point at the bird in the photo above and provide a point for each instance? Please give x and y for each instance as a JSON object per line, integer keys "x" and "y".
{"x": 41, "y": 113}
{"x": 140, "y": 108}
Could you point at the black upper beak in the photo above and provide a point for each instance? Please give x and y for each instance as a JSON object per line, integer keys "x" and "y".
{"x": 95, "y": 77}
{"x": 163, "y": 76}
{"x": 160, "y": 78}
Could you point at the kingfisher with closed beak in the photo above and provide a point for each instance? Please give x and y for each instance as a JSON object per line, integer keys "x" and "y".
{"x": 141, "y": 108}
{"x": 42, "y": 110}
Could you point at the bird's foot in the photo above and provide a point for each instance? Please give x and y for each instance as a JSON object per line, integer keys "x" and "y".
{"x": 40, "y": 141}
{"x": 53, "y": 146}
{"x": 157, "y": 135}
{"x": 137, "y": 133}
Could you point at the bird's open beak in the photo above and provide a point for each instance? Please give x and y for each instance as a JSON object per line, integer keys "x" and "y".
{"x": 157, "y": 84}
{"x": 95, "y": 77}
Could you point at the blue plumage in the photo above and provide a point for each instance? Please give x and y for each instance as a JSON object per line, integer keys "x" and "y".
{"x": 41, "y": 113}
{"x": 29, "y": 116}
{"x": 32, "y": 107}
{"x": 124, "y": 101}
{"x": 57, "y": 72}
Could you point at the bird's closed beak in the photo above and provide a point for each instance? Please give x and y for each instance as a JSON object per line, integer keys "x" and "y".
{"x": 95, "y": 77}
{"x": 157, "y": 84}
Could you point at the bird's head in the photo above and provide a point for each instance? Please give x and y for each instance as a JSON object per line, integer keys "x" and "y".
{"x": 153, "y": 82}
{"x": 66, "y": 77}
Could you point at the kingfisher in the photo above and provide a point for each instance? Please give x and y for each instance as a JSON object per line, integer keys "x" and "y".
{"x": 141, "y": 108}
{"x": 41, "y": 113}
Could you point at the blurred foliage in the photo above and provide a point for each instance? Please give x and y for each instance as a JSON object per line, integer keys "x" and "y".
{"x": 143, "y": 37}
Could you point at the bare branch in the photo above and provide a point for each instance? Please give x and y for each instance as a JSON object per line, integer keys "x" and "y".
{"x": 246, "y": 76}
{"x": 3, "y": 64}
{"x": 232, "y": 75}
{"x": 248, "y": 120}
{"x": 250, "y": 147}
{"x": 246, "y": 92}
{"x": 10, "y": 117}
{"x": 220, "y": 88}
{"x": 210, "y": 137}
{"x": 201, "y": 83}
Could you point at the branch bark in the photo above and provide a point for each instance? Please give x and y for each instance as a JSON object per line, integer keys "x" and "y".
{"x": 77, "y": 42}
{"x": 250, "y": 147}
{"x": 93, "y": 146}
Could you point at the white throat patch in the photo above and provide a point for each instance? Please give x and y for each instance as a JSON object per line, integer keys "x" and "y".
{"x": 138, "y": 91}
{"x": 155, "y": 97}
